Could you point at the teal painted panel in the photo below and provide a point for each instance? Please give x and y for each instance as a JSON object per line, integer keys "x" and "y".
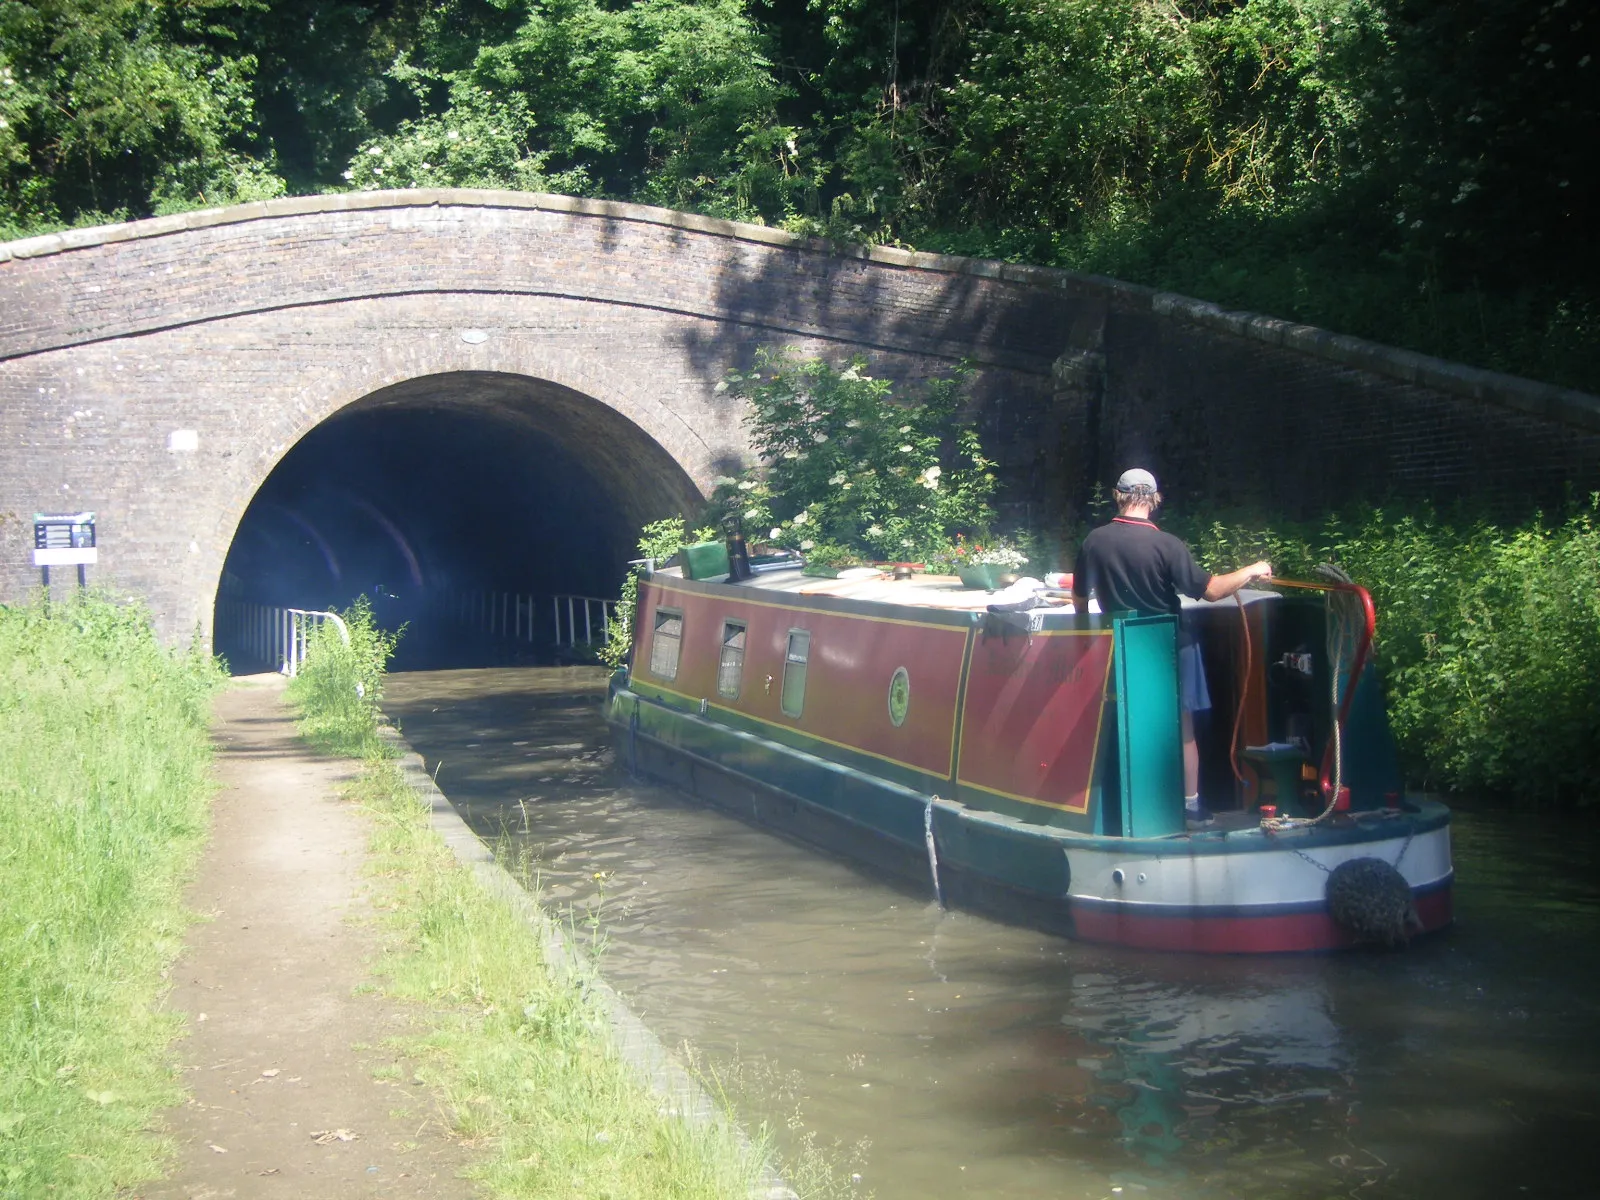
{"x": 1371, "y": 763}
{"x": 1151, "y": 752}
{"x": 1017, "y": 856}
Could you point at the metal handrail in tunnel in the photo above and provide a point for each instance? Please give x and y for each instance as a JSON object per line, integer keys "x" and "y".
{"x": 273, "y": 634}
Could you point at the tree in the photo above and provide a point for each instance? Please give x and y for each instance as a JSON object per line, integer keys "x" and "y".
{"x": 121, "y": 107}
{"x": 668, "y": 101}
{"x": 849, "y": 469}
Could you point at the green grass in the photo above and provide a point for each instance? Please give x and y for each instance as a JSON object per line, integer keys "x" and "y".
{"x": 104, "y": 795}
{"x": 524, "y": 1061}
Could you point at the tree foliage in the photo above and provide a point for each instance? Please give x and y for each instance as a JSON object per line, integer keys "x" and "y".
{"x": 1412, "y": 170}
{"x": 666, "y": 101}
{"x": 121, "y": 107}
{"x": 850, "y": 470}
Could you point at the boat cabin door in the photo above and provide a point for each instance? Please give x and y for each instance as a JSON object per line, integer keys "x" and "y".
{"x": 1149, "y": 745}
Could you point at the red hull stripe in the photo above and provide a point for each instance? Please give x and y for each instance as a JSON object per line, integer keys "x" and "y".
{"x": 1267, "y": 934}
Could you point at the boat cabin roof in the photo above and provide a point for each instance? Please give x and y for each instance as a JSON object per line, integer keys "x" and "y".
{"x": 944, "y": 592}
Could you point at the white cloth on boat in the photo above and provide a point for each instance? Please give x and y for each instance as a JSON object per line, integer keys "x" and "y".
{"x": 1018, "y": 591}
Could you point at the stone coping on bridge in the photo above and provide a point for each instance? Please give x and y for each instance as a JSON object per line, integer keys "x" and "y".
{"x": 1549, "y": 401}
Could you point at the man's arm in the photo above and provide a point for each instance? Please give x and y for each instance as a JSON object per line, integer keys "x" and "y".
{"x": 1223, "y": 586}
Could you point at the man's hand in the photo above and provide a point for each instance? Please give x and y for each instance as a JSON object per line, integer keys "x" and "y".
{"x": 1223, "y": 586}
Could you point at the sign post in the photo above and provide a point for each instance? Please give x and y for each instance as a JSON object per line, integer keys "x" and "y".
{"x": 64, "y": 540}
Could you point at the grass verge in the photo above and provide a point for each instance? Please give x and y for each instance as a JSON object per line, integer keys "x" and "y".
{"x": 104, "y": 797}
{"x": 524, "y": 1060}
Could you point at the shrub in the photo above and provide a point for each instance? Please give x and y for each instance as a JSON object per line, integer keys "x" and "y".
{"x": 339, "y": 687}
{"x": 658, "y": 541}
{"x": 850, "y": 467}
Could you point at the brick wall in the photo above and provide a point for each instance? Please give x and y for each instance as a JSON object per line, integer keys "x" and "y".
{"x": 1229, "y": 420}
{"x": 604, "y": 326}
{"x": 607, "y": 327}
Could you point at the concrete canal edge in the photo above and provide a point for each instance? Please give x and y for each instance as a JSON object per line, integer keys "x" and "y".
{"x": 639, "y": 1047}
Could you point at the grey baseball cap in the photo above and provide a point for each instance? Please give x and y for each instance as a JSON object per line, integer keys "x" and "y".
{"x": 1137, "y": 481}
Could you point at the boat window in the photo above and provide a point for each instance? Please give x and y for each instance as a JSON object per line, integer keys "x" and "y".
{"x": 730, "y": 668}
{"x": 794, "y": 672}
{"x": 665, "y": 642}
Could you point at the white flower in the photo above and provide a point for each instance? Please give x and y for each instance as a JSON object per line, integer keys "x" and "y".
{"x": 747, "y": 485}
{"x": 791, "y": 454}
{"x": 819, "y": 438}
{"x": 751, "y": 514}
{"x": 349, "y": 174}
{"x": 806, "y": 545}
{"x": 375, "y": 151}
{"x": 852, "y": 424}
{"x": 905, "y": 429}
{"x": 836, "y": 479}
{"x": 849, "y": 372}
{"x": 905, "y": 449}
{"x": 377, "y": 170}
{"x": 801, "y": 518}
{"x": 427, "y": 166}
{"x": 845, "y": 486}
{"x": 453, "y": 136}
{"x": 774, "y": 533}
{"x": 930, "y": 477}
{"x": 874, "y": 530}
{"x": 906, "y": 542}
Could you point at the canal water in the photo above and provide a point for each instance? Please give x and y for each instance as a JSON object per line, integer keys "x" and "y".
{"x": 940, "y": 1054}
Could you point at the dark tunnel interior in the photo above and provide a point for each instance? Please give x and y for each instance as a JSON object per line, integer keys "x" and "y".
{"x": 451, "y": 484}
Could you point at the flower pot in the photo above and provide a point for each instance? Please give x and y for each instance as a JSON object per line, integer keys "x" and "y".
{"x": 981, "y": 575}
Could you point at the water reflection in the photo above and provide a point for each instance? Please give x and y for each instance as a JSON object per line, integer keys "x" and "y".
{"x": 980, "y": 1060}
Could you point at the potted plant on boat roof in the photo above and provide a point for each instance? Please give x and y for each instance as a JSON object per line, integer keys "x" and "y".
{"x": 826, "y": 559}
{"x": 981, "y": 562}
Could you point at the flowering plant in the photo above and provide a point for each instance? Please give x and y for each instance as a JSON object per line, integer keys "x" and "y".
{"x": 851, "y": 471}
{"x": 992, "y": 552}
{"x": 998, "y": 553}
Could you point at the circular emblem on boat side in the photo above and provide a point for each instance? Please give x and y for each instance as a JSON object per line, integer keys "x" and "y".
{"x": 899, "y": 696}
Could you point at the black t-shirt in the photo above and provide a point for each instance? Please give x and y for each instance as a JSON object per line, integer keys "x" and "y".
{"x": 1130, "y": 564}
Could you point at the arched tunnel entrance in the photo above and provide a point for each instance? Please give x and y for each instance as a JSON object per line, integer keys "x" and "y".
{"x": 429, "y": 495}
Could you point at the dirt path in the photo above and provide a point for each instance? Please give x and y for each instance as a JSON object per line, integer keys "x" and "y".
{"x": 282, "y": 1047}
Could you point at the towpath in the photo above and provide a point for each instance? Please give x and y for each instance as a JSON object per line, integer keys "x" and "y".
{"x": 293, "y": 1091}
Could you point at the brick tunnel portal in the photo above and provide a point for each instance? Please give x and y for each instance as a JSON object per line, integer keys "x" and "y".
{"x": 443, "y": 485}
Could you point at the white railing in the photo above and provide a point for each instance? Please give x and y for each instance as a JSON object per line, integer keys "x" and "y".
{"x": 526, "y": 617}
{"x": 267, "y": 634}
{"x": 264, "y": 633}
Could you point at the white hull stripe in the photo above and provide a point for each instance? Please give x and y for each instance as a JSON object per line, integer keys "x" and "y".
{"x": 1285, "y": 880}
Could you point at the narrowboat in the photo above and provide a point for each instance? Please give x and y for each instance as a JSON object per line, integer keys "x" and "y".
{"x": 1026, "y": 762}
